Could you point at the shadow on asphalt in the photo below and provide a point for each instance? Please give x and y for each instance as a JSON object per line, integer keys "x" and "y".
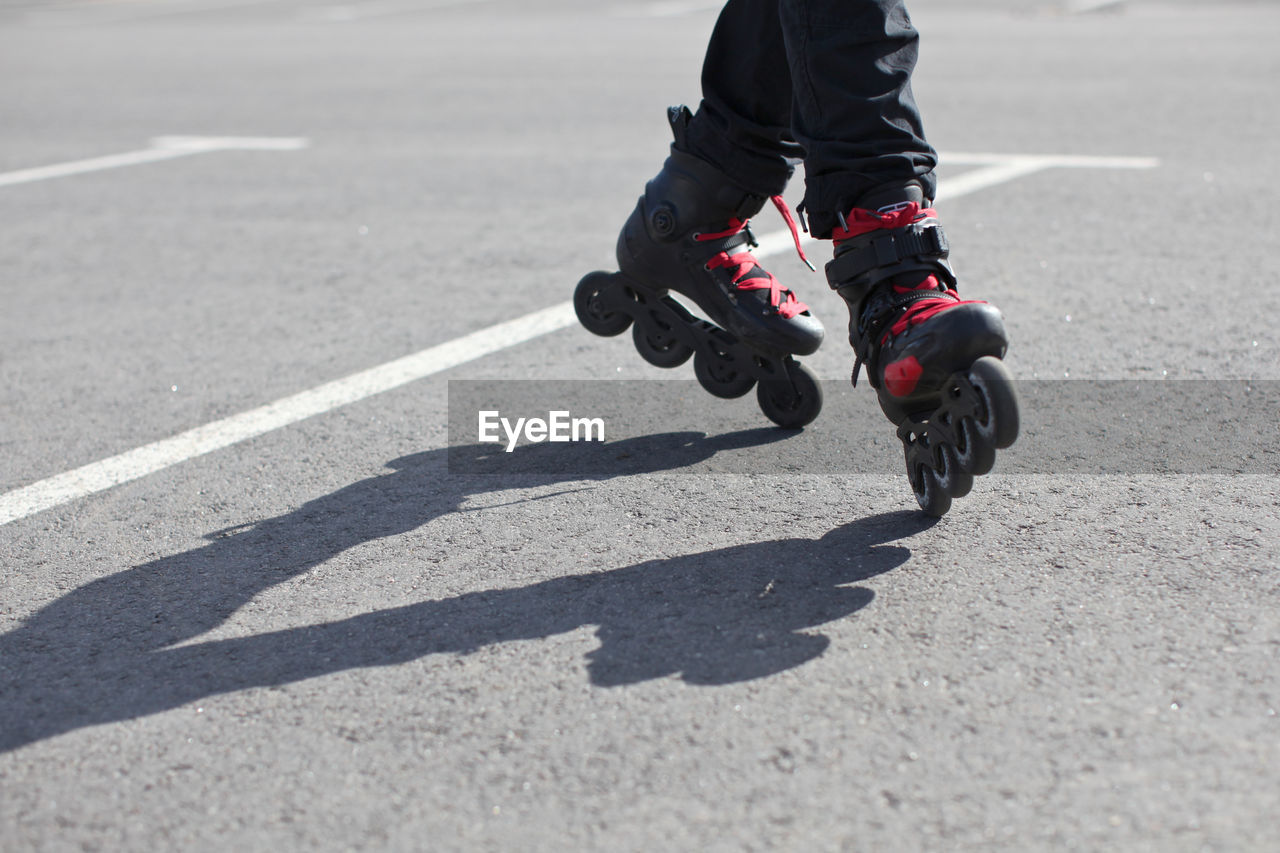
{"x": 105, "y": 651}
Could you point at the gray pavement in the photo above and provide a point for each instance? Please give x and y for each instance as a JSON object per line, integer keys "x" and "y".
{"x": 326, "y": 638}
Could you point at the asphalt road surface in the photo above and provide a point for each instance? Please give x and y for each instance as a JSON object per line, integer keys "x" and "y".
{"x": 249, "y": 602}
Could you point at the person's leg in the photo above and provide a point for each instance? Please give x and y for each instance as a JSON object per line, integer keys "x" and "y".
{"x": 853, "y": 112}
{"x": 744, "y": 122}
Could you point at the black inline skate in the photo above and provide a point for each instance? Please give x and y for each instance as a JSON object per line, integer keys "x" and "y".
{"x": 689, "y": 233}
{"x": 933, "y": 358}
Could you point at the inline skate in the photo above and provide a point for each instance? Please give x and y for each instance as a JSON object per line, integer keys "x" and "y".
{"x": 690, "y": 234}
{"x": 933, "y": 358}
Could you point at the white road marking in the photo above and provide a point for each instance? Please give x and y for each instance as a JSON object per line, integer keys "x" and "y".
{"x": 162, "y": 148}
{"x": 362, "y": 11}
{"x": 1050, "y": 161}
{"x": 995, "y": 169}
{"x": 148, "y": 459}
{"x": 1084, "y": 7}
{"x": 987, "y": 176}
{"x": 130, "y": 11}
{"x": 668, "y": 9}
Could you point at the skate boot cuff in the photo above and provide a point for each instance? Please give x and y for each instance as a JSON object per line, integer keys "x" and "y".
{"x": 690, "y": 192}
{"x": 868, "y": 252}
{"x": 720, "y": 197}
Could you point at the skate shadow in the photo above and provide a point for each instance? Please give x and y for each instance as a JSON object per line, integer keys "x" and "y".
{"x": 110, "y": 650}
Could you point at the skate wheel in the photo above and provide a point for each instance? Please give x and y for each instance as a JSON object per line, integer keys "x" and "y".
{"x": 991, "y": 379}
{"x": 930, "y": 494}
{"x": 952, "y": 478}
{"x": 717, "y": 374}
{"x": 974, "y": 451}
{"x": 793, "y": 402}
{"x": 589, "y": 305}
{"x": 657, "y": 343}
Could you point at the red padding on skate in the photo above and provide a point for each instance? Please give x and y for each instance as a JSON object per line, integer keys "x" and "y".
{"x": 900, "y": 378}
{"x": 735, "y": 227}
{"x": 862, "y": 221}
{"x": 743, "y": 264}
{"x": 920, "y": 311}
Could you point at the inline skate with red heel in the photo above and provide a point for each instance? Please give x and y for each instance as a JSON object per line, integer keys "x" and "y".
{"x": 933, "y": 358}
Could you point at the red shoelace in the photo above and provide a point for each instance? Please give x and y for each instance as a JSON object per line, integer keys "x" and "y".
{"x": 743, "y": 264}
{"x": 860, "y": 221}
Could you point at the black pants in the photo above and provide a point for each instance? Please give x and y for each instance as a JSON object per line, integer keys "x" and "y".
{"x": 825, "y": 81}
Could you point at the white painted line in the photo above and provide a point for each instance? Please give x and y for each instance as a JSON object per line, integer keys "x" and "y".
{"x": 134, "y": 464}
{"x": 130, "y": 11}
{"x": 779, "y": 242}
{"x": 200, "y": 144}
{"x": 997, "y": 169}
{"x": 1084, "y": 7}
{"x": 1049, "y": 161}
{"x": 162, "y": 148}
{"x": 988, "y": 176}
{"x": 364, "y": 11}
{"x": 668, "y": 9}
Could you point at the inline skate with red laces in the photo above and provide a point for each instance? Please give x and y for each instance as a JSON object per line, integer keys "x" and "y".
{"x": 933, "y": 358}
{"x": 690, "y": 234}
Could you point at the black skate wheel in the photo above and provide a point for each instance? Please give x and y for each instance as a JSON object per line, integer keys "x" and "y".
{"x": 974, "y": 451}
{"x": 930, "y": 495}
{"x": 657, "y": 343}
{"x": 991, "y": 379}
{"x": 717, "y": 373}
{"x": 791, "y": 403}
{"x": 952, "y": 478}
{"x": 589, "y": 305}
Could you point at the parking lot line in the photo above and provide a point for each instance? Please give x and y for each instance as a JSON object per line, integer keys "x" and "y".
{"x": 161, "y": 148}
{"x": 994, "y": 169}
{"x": 162, "y": 454}
{"x": 352, "y": 12}
{"x": 668, "y": 9}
